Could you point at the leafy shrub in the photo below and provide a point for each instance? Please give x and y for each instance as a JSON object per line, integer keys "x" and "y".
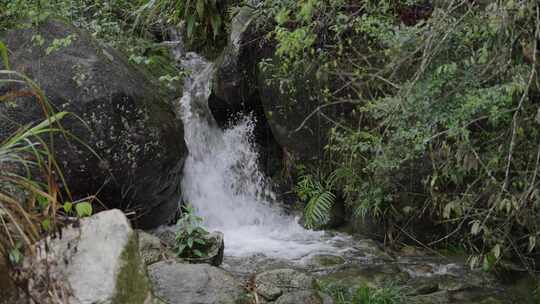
{"x": 202, "y": 17}
{"x": 190, "y": 235}
{"x": 317, "y": 192}
{"x": 444, "y": 127}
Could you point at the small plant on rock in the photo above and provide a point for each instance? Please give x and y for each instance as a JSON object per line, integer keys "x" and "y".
{"x": 190, "y": 238}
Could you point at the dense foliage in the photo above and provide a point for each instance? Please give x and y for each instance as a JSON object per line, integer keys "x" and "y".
{"x": 445, "y": 121}
{"x": 444, "y": 97}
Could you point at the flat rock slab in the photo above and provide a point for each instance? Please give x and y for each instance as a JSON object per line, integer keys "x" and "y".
{"x": 304, "y": 297}
{"x": 272, "y": 284}
{"x": 178, "y": 283}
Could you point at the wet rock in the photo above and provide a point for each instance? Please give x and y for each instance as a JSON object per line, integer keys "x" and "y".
{"x": 178, "y": 283}
{"x": 426, "y": 288}
{"x": 371, "y": 250}
{"x": 96, "y": 261}
{"x": 151, "y": 249}
{"x": 440, "y": 297}
{"x": 272, "y": 284}
{"x": 126, "y": 120}
{"x": 326, "y": 260}
{"x": 372, "y": 275}
{"x": 232, "y": 84}
{"x": 490, "y": 300}
{"x": 368, "y": 226}
{"x": 304, "y": 297}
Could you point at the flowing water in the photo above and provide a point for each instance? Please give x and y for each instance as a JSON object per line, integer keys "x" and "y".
{"x": 223, "y": 182}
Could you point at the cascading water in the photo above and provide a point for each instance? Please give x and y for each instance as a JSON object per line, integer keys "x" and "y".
{"x": 223, "y": 182}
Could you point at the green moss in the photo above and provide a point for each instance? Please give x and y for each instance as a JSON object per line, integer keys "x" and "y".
{"x": 132, "y": 284}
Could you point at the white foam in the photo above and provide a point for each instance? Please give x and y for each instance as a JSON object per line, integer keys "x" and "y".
{"x": 223, "y": 182}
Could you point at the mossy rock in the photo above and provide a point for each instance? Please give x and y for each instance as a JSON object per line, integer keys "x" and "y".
{"x": 125, "y": 145}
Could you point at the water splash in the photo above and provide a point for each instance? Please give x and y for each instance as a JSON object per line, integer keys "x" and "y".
{"x": 222, "y": 179}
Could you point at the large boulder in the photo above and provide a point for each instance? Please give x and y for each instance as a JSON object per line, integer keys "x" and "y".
{"x": 126, "y": 144}
{"x": 95, "y": 261}
{"x": 298, "y": 121}
{"x": 232, "y": 83}
{"x": 178, "y": 283}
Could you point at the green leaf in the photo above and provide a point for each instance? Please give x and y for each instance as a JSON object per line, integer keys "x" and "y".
{"x": 46, "y": 224}
{"x": 180, "y": 249}
{"x": 200, "y": 241}
{"x": 489, "y": 262}
{"x": 15, "y": 255}
{"x": 190, "y": 25}
{"x": 215, "y": 21}
{"x": 4, "y": 55}
{"x": 68, "y": 206}
{"x": 190, "y": 242}
{"x": 43, "y": 202}
{"x": 200, "y": 8}
{"x": 198, "y": 253}
{"x": 83, "y": 209}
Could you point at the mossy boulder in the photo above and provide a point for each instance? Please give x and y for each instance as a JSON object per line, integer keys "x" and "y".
{"x": 94, "y": 261}
{"x": 125, "y": 145}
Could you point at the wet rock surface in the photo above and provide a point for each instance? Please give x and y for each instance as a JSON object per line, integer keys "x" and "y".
{"x": 304, "y": 297}
{"x": 274, "y": 283}
{"x": 421, "y": 277}
{"x": 178, "y": 283}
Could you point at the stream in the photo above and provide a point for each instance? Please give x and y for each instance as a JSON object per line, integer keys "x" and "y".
{"x": 223, "y": 182}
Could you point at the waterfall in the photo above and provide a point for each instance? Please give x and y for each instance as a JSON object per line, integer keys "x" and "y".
{"x": 223, "y": 182}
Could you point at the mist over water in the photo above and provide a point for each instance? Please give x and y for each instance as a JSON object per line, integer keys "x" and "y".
{"x": 223, "y": 182}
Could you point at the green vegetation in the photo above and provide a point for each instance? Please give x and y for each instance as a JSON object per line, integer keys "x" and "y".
{"x": 364, "y": 294}
{"x": 133, "y": 285}
{"x": 29, "y": 190}
{"x": 190, "y": 235}
{"x": 444, "y": 127}
{"x": 201, "y": 17}
{"x": 317, "y": 192}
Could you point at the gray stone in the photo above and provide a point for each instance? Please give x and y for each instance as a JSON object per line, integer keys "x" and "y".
{"x": 304, "y": 297}
{"x": 231, "y": 82}
{"x": 151, "y": 249}
{"x": 96, "y": 261}
{"x": 130, "y": 148}
{"x": 178, "y": 283}
{"x": 326, "y": 260}
{"x": 272, "y": 284}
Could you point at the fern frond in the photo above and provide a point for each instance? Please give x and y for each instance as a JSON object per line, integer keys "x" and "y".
{"x": 317, "y": 211}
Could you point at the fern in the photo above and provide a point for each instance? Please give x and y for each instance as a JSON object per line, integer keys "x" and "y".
{"x": 319, "y": 197}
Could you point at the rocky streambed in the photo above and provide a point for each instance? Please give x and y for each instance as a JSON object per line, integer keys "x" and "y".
{"x": 103, "y": 260}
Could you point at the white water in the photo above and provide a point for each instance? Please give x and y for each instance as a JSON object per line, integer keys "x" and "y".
{"x": 223, "y": 182}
